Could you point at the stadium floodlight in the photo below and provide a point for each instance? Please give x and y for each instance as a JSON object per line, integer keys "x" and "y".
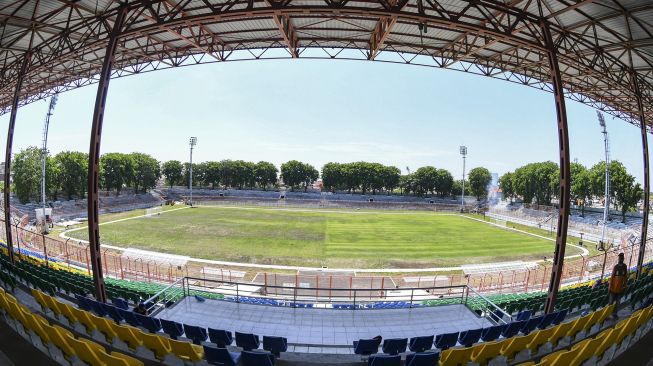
{"x": 44, "y": 158}
{"x": 606, "y": 193}
{"x": 463, "y": 152}
{"x": 192, "y": 142}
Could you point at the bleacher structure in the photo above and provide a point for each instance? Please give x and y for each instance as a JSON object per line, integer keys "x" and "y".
{"x": 50, "y": 306}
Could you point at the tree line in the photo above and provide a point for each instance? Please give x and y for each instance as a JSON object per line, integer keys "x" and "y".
{"x": 66, "y": 176}
{"x": 538, "y": 183}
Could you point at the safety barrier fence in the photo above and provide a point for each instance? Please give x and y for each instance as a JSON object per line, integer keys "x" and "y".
{"x": 76, "y": 254}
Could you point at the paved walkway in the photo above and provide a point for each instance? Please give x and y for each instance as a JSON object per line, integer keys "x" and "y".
{"x": 310, "y": 329}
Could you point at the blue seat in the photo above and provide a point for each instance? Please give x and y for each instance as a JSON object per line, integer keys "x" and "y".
{"x": 523, "y": 315}
{"x": 114, "y": 314}
{"x": 492, "y": 333}
{"x": 547, "y": 320}
{"x": 469, "y": 337}
{"x": 384, "y": 360}
{"x": 83, "y": 303}
{"x": 253, "y": 358}
{"x": 395, "y": 346}
{"x": 221, "y": 338}
{"x": 275, "y": 345}
{"x": 561, "y": 315}
{"x": 247, "y": 341}
{"x": 171, "y": 328}
{"x": 195, "y": 333}
{"x": 423, "y": 359}
{"x": 97, "y": 308}
{"x": 149, "y": 323}
{"x": 421, "y": 344}
{"x": 221, "y": 356}
{"x": 446, "y": 341}
{"x": 531, "y": 324}
{"x": 366, "y": 347}
{"x": 129, "y": 317}
{"x": 513, "y": 328}
{"x": 120, "y": 303}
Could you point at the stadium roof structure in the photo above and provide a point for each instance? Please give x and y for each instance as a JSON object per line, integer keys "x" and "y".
{"x": 598, "y": 52}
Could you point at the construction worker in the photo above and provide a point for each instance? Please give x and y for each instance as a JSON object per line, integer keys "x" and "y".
{"x": 617, "y": 284}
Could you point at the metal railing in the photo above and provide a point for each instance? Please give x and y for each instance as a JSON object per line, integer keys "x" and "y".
{"x": 484, "y": 307}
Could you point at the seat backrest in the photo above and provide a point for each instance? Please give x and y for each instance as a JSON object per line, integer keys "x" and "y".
{"x": 186, "y": 350}
{"x": 172, "y": 328}
{"x": 395, "y": 346}
{"x": 218, "y": 356}
{"x": 524, "y": 315}
{"x": 422, "y": 359}
{"x": 470, "y": 337}
{"x": 130, "y": 318}
{"x": 531, "y": 324}
{"x": 275, "y": 344}
{"x": 513, "y": 328}
{"x": 421, "y": 344}
{"x": 254, "y": 358}
{"x": 197, "y": 334}
{"x": 247, "y": 341}
{"x": 128, "y": 335}
{"x": 560, "y": 316}
{"x": 150, "y": 323}
{"x": 366, "y": 346}
{"x": 159, "y": 345}
{"x": 456, "y": 356}
{"x": 384, "y": 360}
{"x": 447, "y": 340}
{"x": 492, "y": 333}
{"x": 220, "y": 337}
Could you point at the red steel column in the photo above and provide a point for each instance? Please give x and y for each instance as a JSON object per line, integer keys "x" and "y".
{"x": 642, "y": 123}
{"x": 94, "y": 157}
{"x": 10, "y": 142}
{"x": 563, "y": 148}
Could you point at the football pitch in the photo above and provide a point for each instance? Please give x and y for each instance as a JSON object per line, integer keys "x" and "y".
{"x": 339, "y": 238}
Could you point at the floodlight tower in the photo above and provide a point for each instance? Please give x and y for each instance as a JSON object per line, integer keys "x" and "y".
{"x": 44, "y": 155}
{"x": 192, "y": 142}
{"x": 606, "y": 208}
{"x": 463, "y": 152}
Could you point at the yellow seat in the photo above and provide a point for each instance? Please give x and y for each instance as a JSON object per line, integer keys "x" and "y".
{"x": 126, "y": 360}
{"x": 455, "y": 356}
{"x": 605, "y": 313}
{"x": 560, "y": 358}
{"x": 35, "y": 325}
{"x": 594, "y": 318}
{"x": 84, "y": 318}
{"x": 38, "y": 296}
{"x": 66, "y": 311}
{"x": 105, "y": 327}
{"x": 58, "y": 336}
{"x": 482, "y": 353}
{"x": 159, "y": 345}
{"x": 626, "y": 329}
{"x": 189, "y": 351}
{"x": 541, "y": 337}
{"x": 52, "y": 304}
{"x": 87, "y": 352}
{"x": 560, "y": 332}
{"x": 607, "y": 342}
{"x": 128, "y": 335}
{"x": 512, "y": 346}
{"x": 577, "y": 326}
{"x": 586, "y": 349}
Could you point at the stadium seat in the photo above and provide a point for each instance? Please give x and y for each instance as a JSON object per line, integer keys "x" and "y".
{"x": 114, "y": 314}
{"x": 421, "y": 344}
{"x": 221, "y": 356}
{"x": 394, "y": 346}
{"x": 247, "y": 341}
{"x": 482, "y": 353}
{"x": 547, "y": 320}
{"x": 577, "y": 326}
{"x": 275, "y": 345}
{"x": 221, "y": 338}
{"x": 129, "y": 336}
{"x": 560, "y": 317}
{"x": 172, "y": 328}
{"x": 446, "y": 341}
{"x": 540, "y": 338}
{"x": 531, "y": 324}
{"x": 120, "y": 303}
{"x": 513, "y": 328}
{"x": 384, "y": 360}
{"x": 195, "y": 333}
{"x": 366, "y": 347}
{"x": 492, "y": 333}
{"x": 523, "y": 315}
{"x": 455, "y": 356}
{"x": 150, "y": 323}
{"x": 120, "y": 359}
{"x": 423, "y": 359}
{"x": 469, "y": 337}
{"x": 256, "y": 358}
{"x": 160, "y": 346}
{"x": 512, "y": 346}
{"x": 560, "y": 332}
{"x": 186, "y": 351}
{"x": 130, "y": 318}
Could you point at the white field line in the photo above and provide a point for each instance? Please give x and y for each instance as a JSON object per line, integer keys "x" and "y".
{"x": 301, "y": 268}
{"x": 439, "y": 213}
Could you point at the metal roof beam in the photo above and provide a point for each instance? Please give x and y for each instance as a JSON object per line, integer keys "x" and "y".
{"x": 380, "y": 33}
{"x": 288, "y": 33}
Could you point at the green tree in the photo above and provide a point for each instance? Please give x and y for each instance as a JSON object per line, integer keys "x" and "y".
{"x": 114, "y": 170}
{"x": 444, "y": 183}
{"x": 426, "y": 178}
{"x": 332, "y": 176}
{"x": 629, "y": 198}
{"x": 212, "y": 173}
{"x": 146, "y": 172}
{"x": 172, "y": 170}
{"x": 295, "y": 173}
{"x": 479, "y": 179}
{"x": 265, "y": 174}
{"x": 581, "y": 185}
{"x": 73, "y": 167}
{"x": 52, "y": 176}
{"x": 390, "y": 176}
{"x": 506, "y": 185}
{"x": 27, "y": 174}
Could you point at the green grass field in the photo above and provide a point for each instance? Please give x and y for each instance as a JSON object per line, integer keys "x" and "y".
{"x": 349, "y": 239}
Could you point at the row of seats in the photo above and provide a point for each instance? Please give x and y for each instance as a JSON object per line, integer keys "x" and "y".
{"x": 603, "y": 346}
{"x": 57, "y": 342}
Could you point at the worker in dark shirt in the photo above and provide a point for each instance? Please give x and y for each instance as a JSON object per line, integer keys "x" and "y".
{"x": 141, "y": 309}
{"x": 617, "y": 284}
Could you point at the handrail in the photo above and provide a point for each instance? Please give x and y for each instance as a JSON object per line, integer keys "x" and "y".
{"x": 491, "y": 303}
{"x": 151, "y": 299}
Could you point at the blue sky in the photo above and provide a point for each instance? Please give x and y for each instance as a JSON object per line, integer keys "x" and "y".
{"x": 321, "y": 110}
